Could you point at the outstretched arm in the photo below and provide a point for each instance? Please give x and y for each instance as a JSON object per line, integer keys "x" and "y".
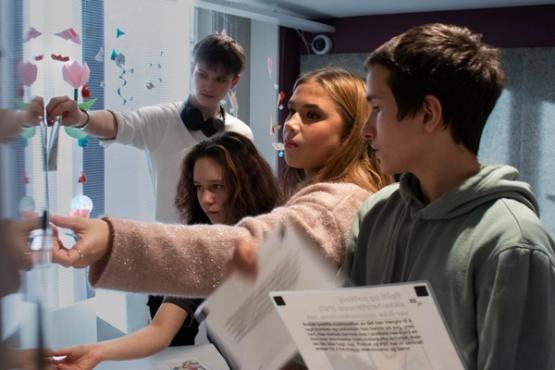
{"x": 142, "y": 343}
{"x": 133, "y": 255}
{"x": 94, "y": 238}
{"x": 100, "y": 123}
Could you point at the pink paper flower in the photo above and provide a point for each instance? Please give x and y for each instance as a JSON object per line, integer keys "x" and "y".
{"x": 76, "y": 74}
{"x": 27, "y": 73}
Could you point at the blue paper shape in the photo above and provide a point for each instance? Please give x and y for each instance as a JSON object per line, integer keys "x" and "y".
{"x": 83, "y": 142}
{"x": 119, "y": 32}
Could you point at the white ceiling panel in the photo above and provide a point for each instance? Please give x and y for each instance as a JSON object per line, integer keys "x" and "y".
{"x": 350, "y": 8}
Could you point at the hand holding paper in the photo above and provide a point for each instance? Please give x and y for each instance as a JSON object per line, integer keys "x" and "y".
{"x": 239, "y": 314}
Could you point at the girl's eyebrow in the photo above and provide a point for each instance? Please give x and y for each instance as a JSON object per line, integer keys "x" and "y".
{"x": 215, "y": 181}
{"x": 309, "y": 106}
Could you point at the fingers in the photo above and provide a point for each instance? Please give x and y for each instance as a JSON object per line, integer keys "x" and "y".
{"x": 21, "y": 241}
{"x": 65, "y": 107}
{"x": 64, "y": 354}
{"x": 18, "y": 240}
{"x": 74, "y": 358}
{"x": 57, "y": 352}
{"x": 25, "y": 261}
{"x": 93, "y": 241}
{"x": 35, "y": 109}
{"x": 60, "y": 254}
{"x": 66, "y": 257}
{"x": 244, "y": 259}
{"x": 55, "y": 231}
{"x": 27, "y": 225}
{"x": 37, "y": 102}
{"x": 55, "y": 105}
{"x": 54, "y": 360}
{"x": 77, "y": 224}
{"x": 60, "y": 352}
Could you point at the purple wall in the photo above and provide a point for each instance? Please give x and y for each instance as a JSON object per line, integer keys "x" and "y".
{"x": 513, "y": 27}
{"x": 530, "y": 26}
{"x": 289, "y": 67}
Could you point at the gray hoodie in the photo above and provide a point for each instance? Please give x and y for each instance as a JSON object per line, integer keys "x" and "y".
{"x": 484, "y": 251}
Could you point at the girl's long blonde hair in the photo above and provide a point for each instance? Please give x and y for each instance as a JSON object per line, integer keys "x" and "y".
{"x": 353, "y": 161}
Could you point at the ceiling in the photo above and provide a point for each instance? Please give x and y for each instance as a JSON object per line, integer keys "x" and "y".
{"x": 349, "y": 8}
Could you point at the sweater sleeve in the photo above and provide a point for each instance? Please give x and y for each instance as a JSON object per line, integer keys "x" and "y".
{"x": 190, "y": 260}
{"x": 144, "y": 128}
{"x": 515, "y": 304}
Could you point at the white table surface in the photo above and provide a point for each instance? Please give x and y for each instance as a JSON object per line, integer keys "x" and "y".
{"x": 206, "y": 354}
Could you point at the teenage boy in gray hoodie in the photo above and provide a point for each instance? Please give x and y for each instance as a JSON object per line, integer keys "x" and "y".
{"x": 471, "y": 230}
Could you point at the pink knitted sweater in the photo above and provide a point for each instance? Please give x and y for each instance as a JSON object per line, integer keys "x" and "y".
{"x": 190, "y": 260}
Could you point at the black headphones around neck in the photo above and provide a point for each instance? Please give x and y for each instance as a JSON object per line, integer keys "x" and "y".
{"x": 192, "y": 119}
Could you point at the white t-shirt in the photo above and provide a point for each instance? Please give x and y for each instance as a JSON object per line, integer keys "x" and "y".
{"x": 160, "y": 132}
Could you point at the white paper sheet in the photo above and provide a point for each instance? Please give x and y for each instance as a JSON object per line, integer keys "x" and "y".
{"x": 240, "y": 316}
{"x": 392, "y": 327}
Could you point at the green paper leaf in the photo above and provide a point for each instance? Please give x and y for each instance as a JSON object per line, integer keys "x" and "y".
{"x": 27, "y": 132}
{"x": 21, "y": 105}
{"x": 87, "y": 104}
{"x": 75, "y": 132}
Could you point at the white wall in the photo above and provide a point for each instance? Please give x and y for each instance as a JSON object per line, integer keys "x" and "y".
{"x": 156, "y": 32}
{"x": 263, "y": 91}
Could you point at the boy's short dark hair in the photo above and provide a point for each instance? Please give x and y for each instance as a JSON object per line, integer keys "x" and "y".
{"x": 450, "y": 63}
{"x": 220, "y": 50}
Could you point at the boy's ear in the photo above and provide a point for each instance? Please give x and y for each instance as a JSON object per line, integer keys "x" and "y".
{"x": 433, "y": 113}
{"x": 235, "y": 81}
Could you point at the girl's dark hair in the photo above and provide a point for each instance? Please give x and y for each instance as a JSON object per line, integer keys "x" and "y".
{"x": 252, "y": 185}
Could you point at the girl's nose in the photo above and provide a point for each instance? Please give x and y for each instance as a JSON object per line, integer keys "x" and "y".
{"x": 207, "y": 197}
{"x": 291, "y": 123}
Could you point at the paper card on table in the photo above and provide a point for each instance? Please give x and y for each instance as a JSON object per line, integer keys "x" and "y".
{"x": 188, "y": 364}
{"x": 394, "y": 327}
{"x": 240, "y": 316}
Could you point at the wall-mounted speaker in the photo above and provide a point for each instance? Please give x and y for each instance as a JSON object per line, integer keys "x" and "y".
{"x": 321, "y": 44}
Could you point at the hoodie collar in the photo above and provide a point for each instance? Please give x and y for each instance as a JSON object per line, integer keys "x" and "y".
{"x": 489, "y": 184}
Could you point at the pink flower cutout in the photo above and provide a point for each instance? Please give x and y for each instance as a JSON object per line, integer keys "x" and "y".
{"x": 69, "y": 34}
{"x": 33, "y": 33}
{"x": 76, "y": 74}
{"x": 27, "y": 73}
